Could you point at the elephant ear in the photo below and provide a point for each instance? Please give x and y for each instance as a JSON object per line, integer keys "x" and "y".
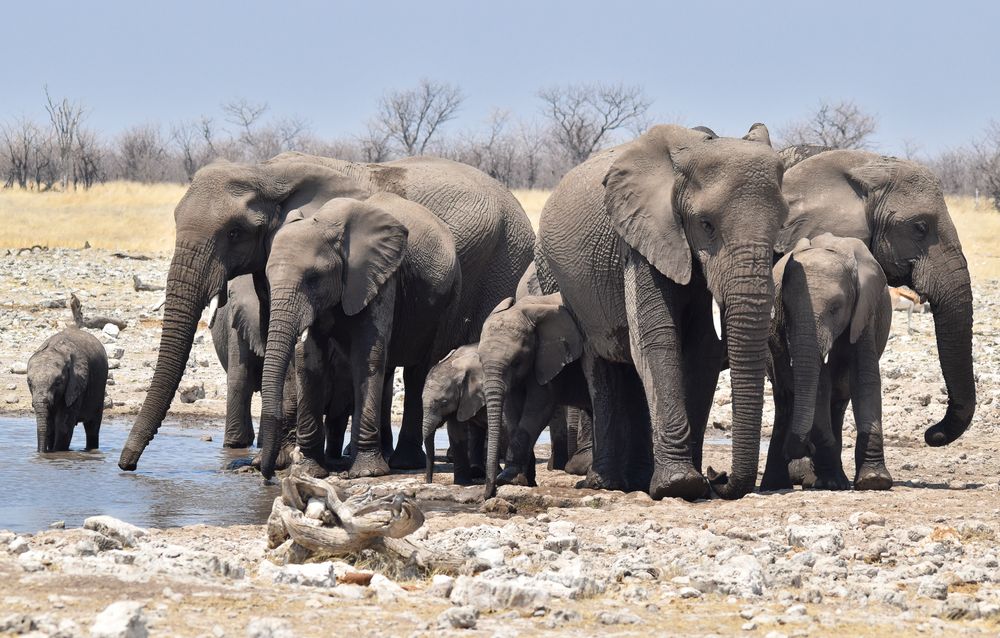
{"x": 298, "y": 183}
{"x": 79, "y": 372}
{"x": 558, "y": 341}
{"x": 473, "y": 398}
{"x": 872, "y": 289}
{"x": 373, "y": 246}
{"x": 827, "y": 193}
{"x": 758, "y": 133}
{"x": 639, "y": 198}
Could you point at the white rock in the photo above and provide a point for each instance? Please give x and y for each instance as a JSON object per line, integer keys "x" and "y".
{"x": 309, "y": 575}
{"x": 111, "y": 330}
{"x": 689, "y": 592}
{"x": 18, "y": 546}
{"x": 11, "y": 399}
{"x": 819, "y": 538}
{"x": 127, "y": 533}
{"x": 562, "y": 543}
{"x": 561, "y": 528}
{"x": 441, "y": 585}
{"x": 116, "y": 352}
{"x": 494, "y": 595}
{"x": 459, "y": 617}
{"x": 19, "y": 367}
{"x": 866, "y": 519}
{"x": 386, "y": 591}
{"x": 315, "y": 508}
{"x": 191, "y": 391}
{"x": 122, "y": 619}
{"x": 269, "y": 628}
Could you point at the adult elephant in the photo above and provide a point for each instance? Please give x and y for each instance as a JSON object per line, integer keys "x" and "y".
{"x": 640, "y": 239}
{"x": 897, "y": 209}
{"x": 230, "y": 213}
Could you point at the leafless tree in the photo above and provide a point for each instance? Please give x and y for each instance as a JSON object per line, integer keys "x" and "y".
{"x": 911, "y": 148}
{"x": 987, "y": 161}
{"x": 532, "y": 140}
{"x": 142, "y": 154}
{"x": 412, "y": 117}
{"x": 19, "y": 138}
{"x": 88, "y": 159}
{"x": 834, "y": 125}
{"x": 195, "y": 142}
{"x": 376, "y": 143}
{"x": 583, "y": 117}
{"x": 65, "y": 117}
{"x": 956, "y": 169}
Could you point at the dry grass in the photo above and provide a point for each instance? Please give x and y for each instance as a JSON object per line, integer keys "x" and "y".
{"x": 129, "y": 216}
{"x": 117, "y": 216}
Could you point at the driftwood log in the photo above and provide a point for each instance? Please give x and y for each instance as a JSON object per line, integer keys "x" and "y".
{"x": 141, "y": 286}
{"x": 312, "y": 515}
{"x": 91, "y": 322}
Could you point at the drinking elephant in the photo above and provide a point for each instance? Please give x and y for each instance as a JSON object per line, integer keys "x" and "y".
{"x": 67, "y": 378}
{"x": 897, "y": 209}
{"x": 227, "y": 218}
{"x": 641, "y": 240}
{"x": 831, "y": 324}
{"x": 381, "y": 278}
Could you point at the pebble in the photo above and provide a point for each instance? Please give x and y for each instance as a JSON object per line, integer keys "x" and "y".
{"x": 689, "y": 592}
{"x": 191, "y": 391}
{"x": 111, "y": 330}
{"x": 126, "y": 533}
{"x": 11, "y": 399}
{"x": 459, "y": 617}
{"x": 122, "y": 619}
{"x": 19, "y": 367}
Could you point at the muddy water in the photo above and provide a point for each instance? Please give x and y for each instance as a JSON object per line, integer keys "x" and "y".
{"x": 179, "y": 482}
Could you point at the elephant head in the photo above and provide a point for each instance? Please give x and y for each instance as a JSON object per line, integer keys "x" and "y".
{"x": 681, "y": 196}
{"x": 897, "y": 209}
{"x": 338, "y": 258}
{"x": 453, "y": 389}
{"x": 530, "y": 341}
{"x": 225, "y": 223}
{"x": 825, "y": 288}
{"x": 56, "y": 379}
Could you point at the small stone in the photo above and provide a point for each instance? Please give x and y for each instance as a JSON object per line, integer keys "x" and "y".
{"x": 796, "y": 610}
{"x": 561, "y": 544}
{"x": 57, "y": 525}
{"x": 207, "y": 438}
{"x": 441, "y": 585}
{"x": 308, "y": 575}
{"x": 111, "y": 330}
{"x": 191, "y": 391}
{"x": 747, "y": 613}
{"x": 315, "y": 508}
{"x": 117, "y": 352}
{"x": 689, "y": 592}
{"x": 497, "y": 505}
{"x": 932, "y": 588}
{"x": 12, "y": 386}
{"x": 459, "y": 617}
{"x": 866, "y": 519}
{"x": 126, "y": 533}
{"x": 11, "y": 399}
{"x": 618, "y": 618}
{"x": 114, "y": 364}
{"x": 122, "y": 619}
{"x": 822, "y": 538}
{"x": 386, "y": 591}
{"x": 749, "y": 626}
{"x": 19, "y": 367}
{"x": 269, "y": 628}
{"x": 17, "y": 546}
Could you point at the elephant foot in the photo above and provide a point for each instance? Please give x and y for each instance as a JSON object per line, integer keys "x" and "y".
{"x": 129, "y": 459}
{"x": 463, "y": 478}
{"x": 597, "y": 481}
{"x": 514, "y": 476}
{"x": 448, "y": 456}
{"x": 579, "y": 465}
{"x": 477, "y": 472}
{"x": 678, "y": 481}
{"x": 337, "y": 463}
{"x": 945, "y": 432}
{"x": 237, "y": 445}
{"x": 873, "y": 477}
{"x": 772, "y": 483}
{"x": 834, "y": 480}
{"x": 368, "y": 463}
{"x": 408, "y": 457}
{"x": 309, "y": 467}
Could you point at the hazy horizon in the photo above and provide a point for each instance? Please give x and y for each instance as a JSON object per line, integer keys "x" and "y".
{"x": 930, "y": 76}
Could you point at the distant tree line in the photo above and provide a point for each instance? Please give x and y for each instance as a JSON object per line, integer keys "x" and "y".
{"x": 572, "y": 123}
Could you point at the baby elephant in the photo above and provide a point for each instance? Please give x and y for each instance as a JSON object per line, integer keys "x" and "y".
{"x": 831, "y": 323}
{"x": 67, "y": 377}
{"x": 453, "y": 394}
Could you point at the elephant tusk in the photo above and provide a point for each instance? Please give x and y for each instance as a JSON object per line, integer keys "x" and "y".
{"x": 826, "y": 358}
{"x": 305, "y": 335}
{"x": 717, "y": 318}
{"x": 213, "y": 307}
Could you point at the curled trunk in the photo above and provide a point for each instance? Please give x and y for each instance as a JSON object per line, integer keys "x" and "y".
{"x": 944, "y": 278}
{"x": 192, "y": 278}
{"x": 282, "y": 334}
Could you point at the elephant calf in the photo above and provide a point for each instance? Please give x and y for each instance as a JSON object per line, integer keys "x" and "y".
{"x": 831, "y": 324}
{"x": 67, "y": 378}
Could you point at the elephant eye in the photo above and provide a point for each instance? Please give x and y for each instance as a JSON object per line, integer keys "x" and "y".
{"x": 921, "y": 227}
{"x": 707, "y": 225}
{"x": 234, "y": 234}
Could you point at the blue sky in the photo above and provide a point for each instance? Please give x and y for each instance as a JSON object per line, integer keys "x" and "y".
{"x": 928, "y": 70}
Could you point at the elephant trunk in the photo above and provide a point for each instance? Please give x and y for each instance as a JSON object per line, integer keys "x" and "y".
{"x": 495, "y": 389}
{"x": 283, "y": 332}
{"x": 43, "y": 420}
{"x": 749, "y": 296}
{"x": 805, "y": 354}
{"x": 192, "y": 278}
{"x": 944, "y": 278}
{"x": 431, "y": 423}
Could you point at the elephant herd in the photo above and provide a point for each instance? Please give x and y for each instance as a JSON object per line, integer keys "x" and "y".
{"x": 656, "y": 265}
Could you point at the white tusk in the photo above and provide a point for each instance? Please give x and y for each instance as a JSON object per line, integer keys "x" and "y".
{"x": 826, "y": 358}
{"x": 305, "y": 335}
{"x": 213, "y": 307}
{"x": 717, "y": 318}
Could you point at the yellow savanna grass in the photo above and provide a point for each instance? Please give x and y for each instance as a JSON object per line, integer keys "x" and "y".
{"x": 139, "y": 217}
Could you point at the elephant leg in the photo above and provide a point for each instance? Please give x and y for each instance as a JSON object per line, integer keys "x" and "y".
{"x": 477, "y": 449}
{"x": 559, "y": 437}
{"x": 870, "y": 472}
{"x": 65, "y": 422}
{"x": 579, "y": 463}
{"x": 92, "y": 427}
{"x": 776, "y": 475}
{"x": 289, "y": 416}
{"x": 409, "y": 452}
{"x": 656, "y": 347}
{"x": 368, "y": 353}
{"x": 826, "y": 458}
{"x": 458, "y": 437}
{"x": 702, "y": 352}
{"x": 607, "y": 383}
{"x": 311, "y": 394}
{"x": 535, "y": 415}
{"x": 239, "y": 391}
{"x": 572, "y": 427}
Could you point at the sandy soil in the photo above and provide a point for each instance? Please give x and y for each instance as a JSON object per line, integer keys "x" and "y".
{"x": 919, "y": 559}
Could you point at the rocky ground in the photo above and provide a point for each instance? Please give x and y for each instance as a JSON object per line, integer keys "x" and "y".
{"x": 919, "y": 559}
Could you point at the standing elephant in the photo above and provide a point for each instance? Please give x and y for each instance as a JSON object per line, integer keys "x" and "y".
{"x": 379, "y": 277}
{"x": 67, "y": 378}
{"x": 641, "y": 239}
{"x": 831, "y": 324}
{"x": 231, "y": 212}
{"x": 527, "y": 350}
{"x": 239, "y": 343}
{"x": 897, "y": 209}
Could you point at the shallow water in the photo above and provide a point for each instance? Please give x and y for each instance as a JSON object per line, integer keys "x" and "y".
{"x": 180, "y": 480}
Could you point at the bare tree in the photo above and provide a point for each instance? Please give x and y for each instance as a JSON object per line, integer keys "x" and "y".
{"x": 65, "y": 117}
{"x": 142, "y": 154}
{"x": 956, "y": 169}
{"x": 88, "y": 159}
{"x": 532, "y": 142}
{"x": 195, "y": 141}
{"x": 376, "y": 144}
{"x": 412, "y": 117}
{"x": 19, "y": 139}
{"x": 583, "y": 117}
{"x": 834, "y": 125}
{"x": 987, "y": 161}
